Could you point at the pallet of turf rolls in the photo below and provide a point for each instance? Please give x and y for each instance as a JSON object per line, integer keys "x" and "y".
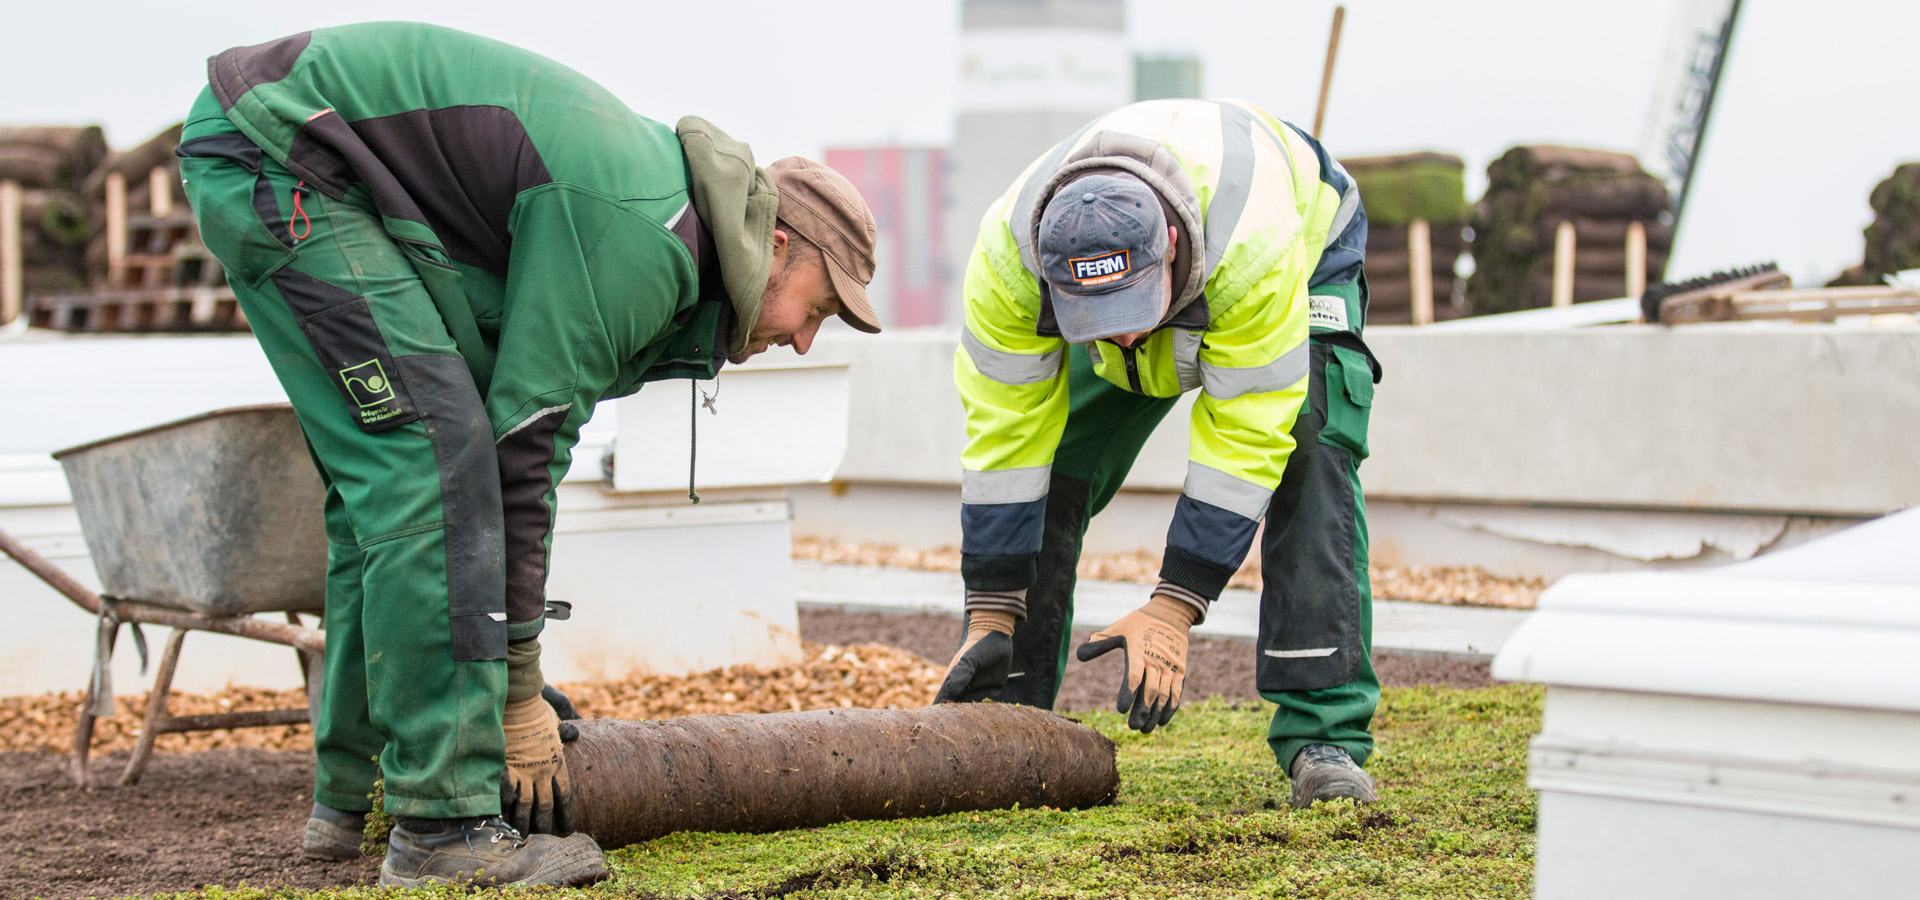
{"x": 50, "y": 164}
{"x": 1893, "y": 240}
{"x": 1531, "y": 191}
{"x": 1399, "y": 191}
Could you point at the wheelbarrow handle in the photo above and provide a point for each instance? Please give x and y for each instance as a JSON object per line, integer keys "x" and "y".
{"x": 50, "y": 573}
{"x": 299, "y": 637}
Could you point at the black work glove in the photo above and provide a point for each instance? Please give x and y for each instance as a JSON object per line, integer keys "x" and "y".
{"x": 985, "y": 659}
{"x": 562, "y": 707}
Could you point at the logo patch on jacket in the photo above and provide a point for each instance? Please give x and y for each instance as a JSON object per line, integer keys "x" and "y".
{"x": 1090, "y": 270}
{"x": 1327, "y": 311}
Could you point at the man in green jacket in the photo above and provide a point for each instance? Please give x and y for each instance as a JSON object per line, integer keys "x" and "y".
{"x": 451, "y": 250}
{"x": 1167, "y": 247}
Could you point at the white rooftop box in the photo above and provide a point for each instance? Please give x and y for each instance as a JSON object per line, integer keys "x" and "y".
{"x": 658, "y": 585}
{"x": 1752, "y": 731}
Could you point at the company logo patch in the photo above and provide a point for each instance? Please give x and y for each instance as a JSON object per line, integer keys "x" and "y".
{"x": 1326, "y": 311}
{"x": 1092, "y": 270}
{"x": 367, "y": 384}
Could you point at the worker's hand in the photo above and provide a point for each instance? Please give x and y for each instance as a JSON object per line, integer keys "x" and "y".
{"x": 1154, "y": 640}
{"x": 536, "y": 794}
{"x": 563, "y": 708}
{"x": 981, "y": 667}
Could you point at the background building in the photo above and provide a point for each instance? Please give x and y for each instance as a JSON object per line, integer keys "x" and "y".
{"x": 1166, "y": 76}
{"x": 906, "y": 189}
{"x": 1030, "y": 72}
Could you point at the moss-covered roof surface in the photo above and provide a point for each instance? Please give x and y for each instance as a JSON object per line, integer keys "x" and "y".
{"x": 1202, "y": 813}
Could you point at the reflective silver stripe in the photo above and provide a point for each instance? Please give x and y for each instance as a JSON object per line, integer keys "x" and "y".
{"x": 1021, "y": 218}
{"x": 1225, "y": 383}
{"x": 1186, "y": 358}
{"x": 1235, "y": 184}
{"x": 1010, "y": 368}
{"x": 1349, "y": 204}
{"x": 1005, "y": 485}
{"x": 1302, "y": 654}
{"x": 1235, "y": 495}
{"x": 537, "y": 416}
{"x": 1280, "y": 140}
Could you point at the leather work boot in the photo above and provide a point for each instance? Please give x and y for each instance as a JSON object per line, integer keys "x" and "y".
{"x": 333, "y": 834}
{"x": 1326, "y": 772}
{"x": 486, "y": 851}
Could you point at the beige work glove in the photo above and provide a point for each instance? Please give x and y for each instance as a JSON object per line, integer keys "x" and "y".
{"x": 1154, "y": 639}
{"x": 985, "y": 659}
{"x": 536, "y": 794}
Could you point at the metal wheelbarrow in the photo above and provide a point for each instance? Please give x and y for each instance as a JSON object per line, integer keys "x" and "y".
{"x": 195, "y": 525}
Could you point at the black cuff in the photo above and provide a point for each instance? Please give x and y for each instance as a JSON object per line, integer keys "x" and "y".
{"x": 1201, "y": 576}
{"x": 523, "y": 670}
{"x": 1013, "y": 572}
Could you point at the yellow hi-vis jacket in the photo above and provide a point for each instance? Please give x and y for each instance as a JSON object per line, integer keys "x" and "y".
{"x": 1261, "y": 205}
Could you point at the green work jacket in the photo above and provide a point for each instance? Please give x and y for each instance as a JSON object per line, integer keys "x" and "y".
{"x": 574, "y": 248}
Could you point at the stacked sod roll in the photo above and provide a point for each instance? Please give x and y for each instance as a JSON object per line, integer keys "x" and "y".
{"x": 1893, "y": 240}
{"x": 1398, "y": 190}
{"x": 62, "y": 172}
{"x": 1530, "y": 191}
{"x": 51, "y": 165}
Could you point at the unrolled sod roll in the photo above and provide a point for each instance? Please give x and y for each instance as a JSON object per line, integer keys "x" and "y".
{"x": 635, "y": 781}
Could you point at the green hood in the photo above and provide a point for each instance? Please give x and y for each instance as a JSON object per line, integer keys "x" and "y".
{"x": 736, "y": 201}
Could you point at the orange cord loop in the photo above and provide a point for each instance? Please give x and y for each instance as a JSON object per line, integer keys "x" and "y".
{"x": 299, "y": 215}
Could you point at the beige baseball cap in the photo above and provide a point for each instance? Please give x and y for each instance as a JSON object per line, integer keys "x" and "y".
{"x": 828, "y": 211}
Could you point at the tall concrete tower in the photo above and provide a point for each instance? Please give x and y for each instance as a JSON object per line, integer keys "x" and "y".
{"x": 1031, "y": 72}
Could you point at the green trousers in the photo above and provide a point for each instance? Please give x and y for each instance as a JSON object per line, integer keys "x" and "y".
{"x": 1315, "y": 590}
{"x": 402, "y": 442}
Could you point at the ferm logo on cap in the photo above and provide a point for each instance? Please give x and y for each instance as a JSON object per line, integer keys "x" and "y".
{"x": 1091, "y": 270}
{"x": 1089, "y": 234}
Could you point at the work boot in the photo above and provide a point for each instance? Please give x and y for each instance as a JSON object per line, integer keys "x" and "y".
{"x": 1326, "y": 772}
{"x": 488, "y": 852}
{"x": 333, "y": 834}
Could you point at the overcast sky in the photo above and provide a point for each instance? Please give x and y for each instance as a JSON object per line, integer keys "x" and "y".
{"x": 1814, "y": 110}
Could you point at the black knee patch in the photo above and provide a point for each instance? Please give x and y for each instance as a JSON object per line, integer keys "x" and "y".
{"x": 1310, "y": 635}
{"x": 1039, "y": 642}
{"x": 470, "y": 502}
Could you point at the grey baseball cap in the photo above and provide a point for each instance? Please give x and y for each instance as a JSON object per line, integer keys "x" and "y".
{"x": 1102, "y": 241}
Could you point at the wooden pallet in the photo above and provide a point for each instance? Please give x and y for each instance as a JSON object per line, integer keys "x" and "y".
{"x": 160, "y": 277}
{"x": 172, "y": 284}
{"x": 197, "y": 308}
{"x": 1741, "y": 304}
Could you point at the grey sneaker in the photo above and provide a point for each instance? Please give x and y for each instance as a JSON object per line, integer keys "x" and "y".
{"x": 486, "y": 852}
{"x": 1326, "y": 772}
{"x": 333, "y": 834}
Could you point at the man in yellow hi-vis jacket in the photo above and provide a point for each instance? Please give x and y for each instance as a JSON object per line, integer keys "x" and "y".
{"x": 1167, "y": 246}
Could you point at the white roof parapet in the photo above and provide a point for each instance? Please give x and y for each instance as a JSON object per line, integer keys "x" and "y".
{"x": 1792, "y": 629}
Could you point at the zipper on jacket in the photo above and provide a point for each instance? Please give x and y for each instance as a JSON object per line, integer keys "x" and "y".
{"x": 1133, "y": 371}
